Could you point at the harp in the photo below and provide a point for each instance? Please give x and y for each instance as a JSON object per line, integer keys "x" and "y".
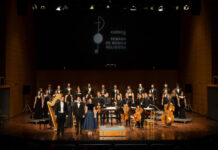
{"x": 52, "y": 112}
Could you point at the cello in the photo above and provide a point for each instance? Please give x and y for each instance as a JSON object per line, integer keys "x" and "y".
{"x": 125, "y": 115}
{"x": 168, "y": 117}
{"x": 137, "y": 114}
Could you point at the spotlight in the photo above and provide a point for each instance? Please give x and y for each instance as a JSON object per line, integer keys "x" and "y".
{"x": 161, "y": 8}
{"x": 58, "y": 8}
{"x": 133, "y": 8}
{"x": 43, "y": 7}
{"x": 108, "y": 6}
{"x": 34, "y": 7}
{"x": 186, "y": 7}
{"x": 177, "y": 7}
{"x": 92, "y": 7}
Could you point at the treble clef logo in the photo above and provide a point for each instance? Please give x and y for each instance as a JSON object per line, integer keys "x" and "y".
{"x": 98, "y": 37}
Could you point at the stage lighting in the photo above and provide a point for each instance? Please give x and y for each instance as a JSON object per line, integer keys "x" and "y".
{"x": 161, "y": 8}
{"x": 34, "y": 7}
{"x": 152, "y": 8}
{"x": 108, "y": 6}
{"x": 133, "y": 8}
{"x": 92, "y": 7}
{"x": 177, "y": 7}
{"x": 186, "y": 7}
{"x": 58, "y": 8}
{"x": 43, "y": 7}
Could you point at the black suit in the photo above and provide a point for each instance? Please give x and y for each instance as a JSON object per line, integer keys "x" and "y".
{"x": 178, "y": 91}
{"x": 141, "y": 89}
{"x": 114, "y": 92}
{"x": 67, "y": 90}
{"x": 61, "y": 117}
{"x": 79, "y": 112}
{"x": 154, "y": 92}
{"x": 87, "y": 89}
{"x": 50, "y": 92}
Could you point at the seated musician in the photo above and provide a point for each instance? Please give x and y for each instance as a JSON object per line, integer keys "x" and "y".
{"x": 138, "y": 100}
{"x": 107, "y": 103}
{"x": 146, "y": 102}
{"x": 138, "y": 116}
{"x": 140, "y": 88}
{"x": 119, "y": 104}
{"x": 98, "y": 101}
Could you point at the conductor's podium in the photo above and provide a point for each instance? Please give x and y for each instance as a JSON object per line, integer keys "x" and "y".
{"x": 112, "y": 131}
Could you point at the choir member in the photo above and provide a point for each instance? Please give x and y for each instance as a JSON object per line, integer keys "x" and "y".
{"x": 61, "y": 114}
{"x": 50, "y": 90}
{"x": 154, "y": 92}
{"x": 68, "y": 88}
{"x": 138, "y": 100}
{"x": 164, "y": 99}
{"x": 151, "y": 97}
{"x": 38, "y": 105}
{"x": 69, "y": 102}
{"x": 45, "y": 106}
{"x": 166, "y": 88}
{"x": 175, "y": 98}
{"x": 140, "y": 89}
{"x": 78, "y": 92}
{"x": 59, "y": 91}
{"x": 103, "y": 90}
{"x": 98, "y": 101}
{"x": 131, "y": 96}
{"x": 128, "y": 89}
{"x": 41, "y": 92}
{"x": 90, "y": 118}
{"x": 182, "y": 105}
{"x": 115, "y": 97}
{"x": 146, "y": 101}
{"x": 88, "y": 95}
{"x": 89, "y": 88}
{"x": 79, "y": 112}
{"x": 178, "y": 89}
{"x": 114, "y": 91}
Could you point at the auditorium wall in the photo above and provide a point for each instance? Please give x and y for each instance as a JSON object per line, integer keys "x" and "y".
{"x": 195, "y": 55}
{"x": 19, "y": 48}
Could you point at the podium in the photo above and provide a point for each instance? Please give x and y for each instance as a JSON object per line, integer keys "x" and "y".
{"x": 112, "y": 131}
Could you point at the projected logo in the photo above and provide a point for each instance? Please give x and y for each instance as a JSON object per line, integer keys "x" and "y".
{"x": 98, "y": 37}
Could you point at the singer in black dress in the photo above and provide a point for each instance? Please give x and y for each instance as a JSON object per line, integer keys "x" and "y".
{"x": 182, "y": 104}
{"x": 69, "y": 102}
{"x": 38, "y": 106}
{"x": 90, "y": 119}
{"x": 45, "y": 106}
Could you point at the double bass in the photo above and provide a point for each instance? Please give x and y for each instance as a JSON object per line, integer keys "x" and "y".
{"x": 137, "y": 114}
{"x": 168, "y": 117}
{"x": 125, "y": 115}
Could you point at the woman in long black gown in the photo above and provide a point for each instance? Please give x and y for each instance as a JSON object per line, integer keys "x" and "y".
{"x": 165, "y": 100}
{"x": 45, "y": 106}
{"x": 182, "y": 104}
{"x": 78, "y": 93}
{"x": 38, "y": 105}
{"x": 175, "y": 98}
{"x": 69, "y": 102}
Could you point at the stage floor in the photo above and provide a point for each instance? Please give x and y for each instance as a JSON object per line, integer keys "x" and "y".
{"x": 199, "y": 127}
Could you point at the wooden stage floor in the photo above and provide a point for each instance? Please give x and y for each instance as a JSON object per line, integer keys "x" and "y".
{"x": 199, "y": 127}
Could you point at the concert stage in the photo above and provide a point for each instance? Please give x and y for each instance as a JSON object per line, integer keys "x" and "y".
{"x": 17, "y": 131}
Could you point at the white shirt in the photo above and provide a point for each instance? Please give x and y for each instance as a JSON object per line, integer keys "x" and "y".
{"x": 78, "y": 104}
{"x": 62, "y": 107}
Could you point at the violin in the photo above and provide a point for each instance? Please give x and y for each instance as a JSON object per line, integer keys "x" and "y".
{"x": 137, "y": 115}
{"x": 125, "y": 115}
{"x": 98, "y": 108}
{"x": 168, "y": 117}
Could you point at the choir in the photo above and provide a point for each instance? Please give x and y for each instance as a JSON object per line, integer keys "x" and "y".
{"x": 90, "y": 110}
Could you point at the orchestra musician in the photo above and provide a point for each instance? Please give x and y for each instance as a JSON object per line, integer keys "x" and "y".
{"x": 114, "y": 91}
{"x": 175, "y": 99}
{"x": 154, "y": 92}
{"x": 98, "y": 102}
{"x": 107, "y": 103}
{"x": 131, "y": 97}
{"x": 164, "y": 99}
{"x": 151, "y": 97}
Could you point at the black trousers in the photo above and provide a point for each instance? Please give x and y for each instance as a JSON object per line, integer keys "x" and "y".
{"x": 99, "y": 114}
{"x": 79, "y": 125}
{"x": 106, "y": 115}
{"x": 118, "y": 116}
{"x": 60, "y": 121}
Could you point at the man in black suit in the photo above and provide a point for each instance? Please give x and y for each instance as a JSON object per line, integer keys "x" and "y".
{"x": 114, "y": 91}
{"x": 79, "y": 112}
{"x": 178, "y": 90}
{"x": 68, "y": 88}
{"x": 154, "y": 92}
{"x": 61, "y": 114}
{"x": 107, "y": 103}
{"x": 166, "y": 88}
{"x": 89, "y": 88}
{"x": 50, "y": 90}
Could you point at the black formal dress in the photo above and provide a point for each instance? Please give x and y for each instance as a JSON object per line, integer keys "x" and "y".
{"x": 77, "y": 94}
{"x": 176, "y": 112}
{"x": 61, "y": 112}
{"x": 140, "y": 90}
{"x": 45, "y": 107}
{"x": 79, "y": 112}
{"x": 67, "y": 90}
{"x": 119, "y": 110}
{"x": 165, "y": 100}
{"x": 113, "y": 93}
{"x": 168, "y": 90}
{"x": 38, "y": 108}
{"x": 182, "y": 108}
{"x": 69, "y": 120}
{"x": 89, "y": 121}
